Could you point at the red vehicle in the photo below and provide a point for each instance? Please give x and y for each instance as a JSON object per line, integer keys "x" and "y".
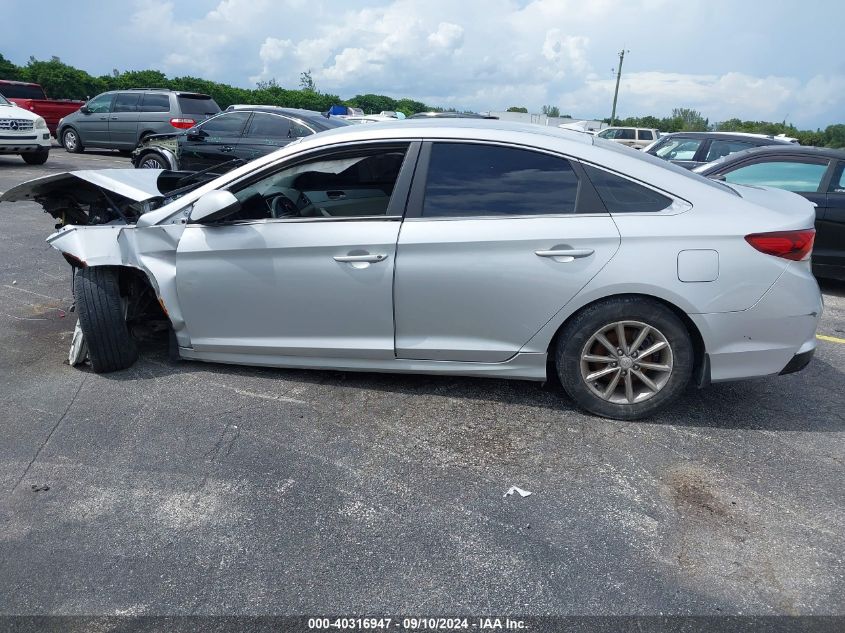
{"x": 33, "y": 98}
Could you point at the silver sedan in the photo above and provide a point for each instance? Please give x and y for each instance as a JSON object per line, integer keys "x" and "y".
{"x": 468, "y": 247}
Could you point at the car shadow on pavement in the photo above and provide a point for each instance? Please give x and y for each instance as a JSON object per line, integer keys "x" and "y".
{"x": 779, "y": 403}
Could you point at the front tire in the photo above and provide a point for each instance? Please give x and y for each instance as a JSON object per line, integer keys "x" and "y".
{"x": 35, "y": 158}
{"x": 71, "y": 141}
{"x": 152, "y": 161}
{"x": 624, "y": 358}
{"x": 102, "y": 318}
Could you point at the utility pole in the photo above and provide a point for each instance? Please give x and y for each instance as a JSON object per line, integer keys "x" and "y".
{"x": 618, "y": 77}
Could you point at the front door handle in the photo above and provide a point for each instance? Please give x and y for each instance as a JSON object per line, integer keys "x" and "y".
{"x": 566, "y": 254}
{"x": 369, "y": 259}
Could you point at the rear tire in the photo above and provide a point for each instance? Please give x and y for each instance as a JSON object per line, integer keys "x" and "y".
{"x": 71, "y": 141}
{"x": 101, "y": 316}
{"x": 625, "y": 383}
{"x": 35, "y": 158}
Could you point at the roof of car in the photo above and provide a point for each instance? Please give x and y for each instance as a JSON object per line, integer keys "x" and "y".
{"x": 731, "y": 136}
{"x": 790, "y": 149}
{"x": 475, "y": 128}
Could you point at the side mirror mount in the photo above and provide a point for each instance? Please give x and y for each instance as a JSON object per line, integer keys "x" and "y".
{"x": 196, "y": 134}
{"x": 214, "y": 205}
{"x": 85, "y": 109}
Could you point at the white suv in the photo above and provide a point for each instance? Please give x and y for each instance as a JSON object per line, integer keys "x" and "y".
{"x": 23, "y": 132}
{"x": 636, "y": 137}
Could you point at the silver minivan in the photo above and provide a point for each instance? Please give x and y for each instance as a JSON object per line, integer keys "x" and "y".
{"x": 121, "y": 119}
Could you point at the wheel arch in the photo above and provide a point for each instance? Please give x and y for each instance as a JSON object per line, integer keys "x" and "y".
{"x": 701, "y": 365}
{"x": 166, "y": 155}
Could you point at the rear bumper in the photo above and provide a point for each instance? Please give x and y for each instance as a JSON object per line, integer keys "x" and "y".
{"x": 776, "y": 335}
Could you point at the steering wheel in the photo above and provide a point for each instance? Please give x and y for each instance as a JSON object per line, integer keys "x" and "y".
{"x": 283, "y": 207}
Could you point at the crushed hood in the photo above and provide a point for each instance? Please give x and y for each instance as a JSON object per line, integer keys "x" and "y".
{"x": 136, "y": 185}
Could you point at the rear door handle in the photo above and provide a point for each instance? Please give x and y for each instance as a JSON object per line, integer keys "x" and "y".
{"x": 567, "y": 254}
{"x": 371, "y": 259}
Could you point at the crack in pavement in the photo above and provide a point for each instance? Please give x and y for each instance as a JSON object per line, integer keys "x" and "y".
{"x": 50, "y": 434}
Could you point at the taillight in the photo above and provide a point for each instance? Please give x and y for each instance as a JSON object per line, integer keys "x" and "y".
{"x": 794, "y": 245}
{"x": 182, "y": 124}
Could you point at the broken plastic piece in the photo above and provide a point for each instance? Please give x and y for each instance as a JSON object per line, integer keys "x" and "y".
{"x": 514, "y": 489}
{"x": 78, "y": 347}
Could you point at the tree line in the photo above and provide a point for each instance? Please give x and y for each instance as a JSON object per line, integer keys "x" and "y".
{"x": 62, "y": 81}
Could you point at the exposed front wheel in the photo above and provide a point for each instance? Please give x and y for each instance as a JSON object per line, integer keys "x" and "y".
{"x": 36, "y": 158}
{"x": 71, "y": 141}
{"x": 102, "y": 317}
{"x": 152, "y": 161}
{"x": 624, "y": 358}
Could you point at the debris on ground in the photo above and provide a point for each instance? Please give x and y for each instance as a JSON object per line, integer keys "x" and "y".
{"x": 519, "y": 491}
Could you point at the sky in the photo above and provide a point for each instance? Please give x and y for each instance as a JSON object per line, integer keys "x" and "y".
{"x": 774, "y": 60}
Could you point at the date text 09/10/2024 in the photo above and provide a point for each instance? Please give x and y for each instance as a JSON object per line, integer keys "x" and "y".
{"x": 417, "y": 624}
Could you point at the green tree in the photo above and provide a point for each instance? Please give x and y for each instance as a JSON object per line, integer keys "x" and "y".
{"x": 551, "y": 111}
{"x": 517, "y": 109}
{"x": 8, "y": 70}
{"x": 306, "y": 82}
{"x": 691, "y": 120}
{"x": 834, "y": 136}
{"x": 373, "y": 104}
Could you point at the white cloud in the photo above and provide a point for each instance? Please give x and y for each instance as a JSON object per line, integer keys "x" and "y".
{"x": 491, "y": 54}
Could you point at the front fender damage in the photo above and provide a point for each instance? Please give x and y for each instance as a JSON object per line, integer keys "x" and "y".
{"x": 151, "y": 250}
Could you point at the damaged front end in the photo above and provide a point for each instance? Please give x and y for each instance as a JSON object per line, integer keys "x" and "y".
{"x": 114, "y": 196}
{"x": 97, "y": 214}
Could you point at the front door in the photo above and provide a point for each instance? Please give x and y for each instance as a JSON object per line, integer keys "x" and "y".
{"x": 212, "y": 142}
{"x": 497, "y": 239}
{"x": 292, "y": 276}
{"x": 93, "y": 125}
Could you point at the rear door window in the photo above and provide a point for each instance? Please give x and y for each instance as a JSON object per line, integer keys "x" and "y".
{"x": 269, "y": 126}
{"x": 155, "y": 103}
{"x": 792, "y": 175}
{"x": 127, "y": 102}
{"x": 626, "y": 135}
{"x": 468, "y": 179}
{"x": 646, "y": 135}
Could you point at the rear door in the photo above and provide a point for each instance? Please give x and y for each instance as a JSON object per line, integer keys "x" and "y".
{"x": 496, "y": 240}
{"x": 212, "y": 142}
{"x": 123, "y": 123}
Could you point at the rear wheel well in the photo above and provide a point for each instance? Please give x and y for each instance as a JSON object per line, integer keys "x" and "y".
{"x": 700, "y": 370}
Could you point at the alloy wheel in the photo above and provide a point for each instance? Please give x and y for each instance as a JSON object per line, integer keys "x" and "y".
{"x": 626, "y": 362}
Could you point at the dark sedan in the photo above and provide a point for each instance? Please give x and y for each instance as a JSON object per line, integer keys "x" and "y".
{"x": 817, "y": 173}
{"x": 691, "y": 149}
{"x": 242, "y": 133}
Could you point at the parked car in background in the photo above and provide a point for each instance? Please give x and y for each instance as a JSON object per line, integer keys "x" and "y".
{"x": 342, "y": 110}
{"x": 121, "y": 119}
{"x": 24, "y": 133}
{"x": 242, "y": 132}
{"x": 382, "y": 248}
{"x": 636, "y": 137}
{"x": 32, "y": 97}
{"x": 816, "y": 173}
{"x": 691, "y": 149}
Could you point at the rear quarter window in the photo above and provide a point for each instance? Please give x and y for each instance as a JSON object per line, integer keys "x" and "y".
{"x": 197, "y": 105}
{"x": 621, "y": 195}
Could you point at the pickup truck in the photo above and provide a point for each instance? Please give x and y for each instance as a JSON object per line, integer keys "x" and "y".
{"x": 33, "y": 98}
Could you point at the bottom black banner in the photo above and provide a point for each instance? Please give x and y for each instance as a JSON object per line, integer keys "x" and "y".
{"x": 273, "y": 624}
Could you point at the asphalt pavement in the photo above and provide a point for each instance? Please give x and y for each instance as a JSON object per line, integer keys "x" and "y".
{"x": 191, "y": 488}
